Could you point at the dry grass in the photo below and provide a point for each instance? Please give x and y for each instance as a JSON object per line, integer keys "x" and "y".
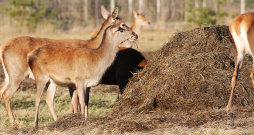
{"x": 185, "y": 84}
{"x": 183, "y": 90}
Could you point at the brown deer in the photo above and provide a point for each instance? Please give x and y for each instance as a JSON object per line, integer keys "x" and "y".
{"x": 127, "y": 62}
{"x": 242, "y": 32}
{"x": 139, "y": 20}
{"x": 79, "y": 67}
{"x": 14, "y": 52}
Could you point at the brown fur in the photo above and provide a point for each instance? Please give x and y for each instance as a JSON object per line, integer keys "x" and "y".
{"x": 80, "y": 67}
{"x": 139, "y": 20}
{"x": 143, "y": 63}
{"x": 242, "y": 26}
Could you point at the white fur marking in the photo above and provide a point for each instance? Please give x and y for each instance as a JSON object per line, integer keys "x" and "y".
{"x": 5, "y": 72}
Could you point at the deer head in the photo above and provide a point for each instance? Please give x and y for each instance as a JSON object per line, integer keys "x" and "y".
{"x": 140, "y": 18}
{"x": 121, "y": 33}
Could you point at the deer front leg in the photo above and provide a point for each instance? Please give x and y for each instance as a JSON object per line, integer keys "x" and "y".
{"x": 81, "y": 90}
{"x": 71, "y": 109}
{"x": 75, "y": 101}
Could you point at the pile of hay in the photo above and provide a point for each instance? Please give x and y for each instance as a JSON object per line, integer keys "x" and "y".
{"x": 184, "y": 84}
{"x": 191, "y": 72}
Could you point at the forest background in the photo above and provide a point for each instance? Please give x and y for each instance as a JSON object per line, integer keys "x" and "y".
{"x": 66, "y": 14}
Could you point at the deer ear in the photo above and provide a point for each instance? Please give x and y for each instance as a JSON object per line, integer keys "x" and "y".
{"x": 104, "y": 12}
{"x": 135, "y": 14}
{"x": 143, "y": 13}
{"x": 115, "y": 13}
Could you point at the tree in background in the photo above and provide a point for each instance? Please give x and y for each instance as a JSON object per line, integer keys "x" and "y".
{"x": 65, "y": 14}
{"x": 29, "y": 12}
{"x": 202, "y": 13}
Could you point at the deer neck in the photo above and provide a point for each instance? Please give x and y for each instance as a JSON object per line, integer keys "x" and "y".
{"x": 136, "y": 27}
{"x": 95, "y": 42}
{"x": 106, "y": 53}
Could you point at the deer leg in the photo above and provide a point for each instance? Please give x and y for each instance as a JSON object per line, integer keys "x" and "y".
{"x": 40, "y": 88}
{"x": 251, "y": 74}
{"x": 71, "y": 91}
{"x": 3, "y": 87}
{"x": 75, "y": 101}
{"x": 11, "y": 88}
{"x": 81, "y": 90}
{"x": 50, "y": 99}
{"x": 238, "y": 66}
{"x": 87, "y": 96}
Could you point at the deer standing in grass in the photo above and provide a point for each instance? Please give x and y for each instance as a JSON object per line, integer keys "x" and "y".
{"x": 127, "y": 61}
{"x": 79, "y": 67}
{"x": 139, "y": 20}
{"x": 242, "y": 32}
{"x": 13, "y": 56}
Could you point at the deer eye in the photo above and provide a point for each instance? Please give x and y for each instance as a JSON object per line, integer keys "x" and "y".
{"x": 121, "y": 29}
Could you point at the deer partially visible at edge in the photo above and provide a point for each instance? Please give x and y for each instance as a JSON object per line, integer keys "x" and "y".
{"x": 242, "y": 32}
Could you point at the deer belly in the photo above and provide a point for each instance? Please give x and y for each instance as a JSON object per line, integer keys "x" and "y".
{"x": 63, "y": 82}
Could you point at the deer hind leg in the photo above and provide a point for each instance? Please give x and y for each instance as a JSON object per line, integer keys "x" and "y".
{"x": 50, "y": 98}
{"x": 238, "y": 65}
{"x": 41, "y": 85}
{"x": 10, "y": 88}
{"x": 251, "y": 45}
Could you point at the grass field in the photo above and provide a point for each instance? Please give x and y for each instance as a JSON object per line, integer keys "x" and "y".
{"x": 101, "y": 97}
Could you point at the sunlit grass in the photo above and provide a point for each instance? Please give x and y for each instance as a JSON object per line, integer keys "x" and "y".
{"x": 24, "y": 109}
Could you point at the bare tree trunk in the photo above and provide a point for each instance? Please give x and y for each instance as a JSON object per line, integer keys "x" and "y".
{"x": 173, "y": 9}
{"x": 130, "y": 7}
{"x": 196, "y": 3}
{"x": 112, "y": 5}
{"x": 216, "y": 9}
{"x": 242, "y": 6}
{"x": 158, "y": 10}
{"x": 140, "y": 6}
{"x": 204, "y": 3}
{"x": 186, "y": 13}
{"x": 86, "y": 10}
{"x": 96, "y": 13}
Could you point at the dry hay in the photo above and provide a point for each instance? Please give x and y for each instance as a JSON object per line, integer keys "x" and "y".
{"x": 191, "y": 72}
{"x": 186, "y": 83}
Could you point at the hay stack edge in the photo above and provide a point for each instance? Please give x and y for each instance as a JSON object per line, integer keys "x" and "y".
{"x": 192, "y": 71}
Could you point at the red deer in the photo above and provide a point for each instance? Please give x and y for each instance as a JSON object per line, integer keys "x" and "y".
{"x": 124, "y": 65}
{"x": 14, "y": 52}
{"x": 139, "y": 20}
{"x": 127, "y": 62}
{"x": 241, "y": 29}
{"x": 79, "y": 67}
